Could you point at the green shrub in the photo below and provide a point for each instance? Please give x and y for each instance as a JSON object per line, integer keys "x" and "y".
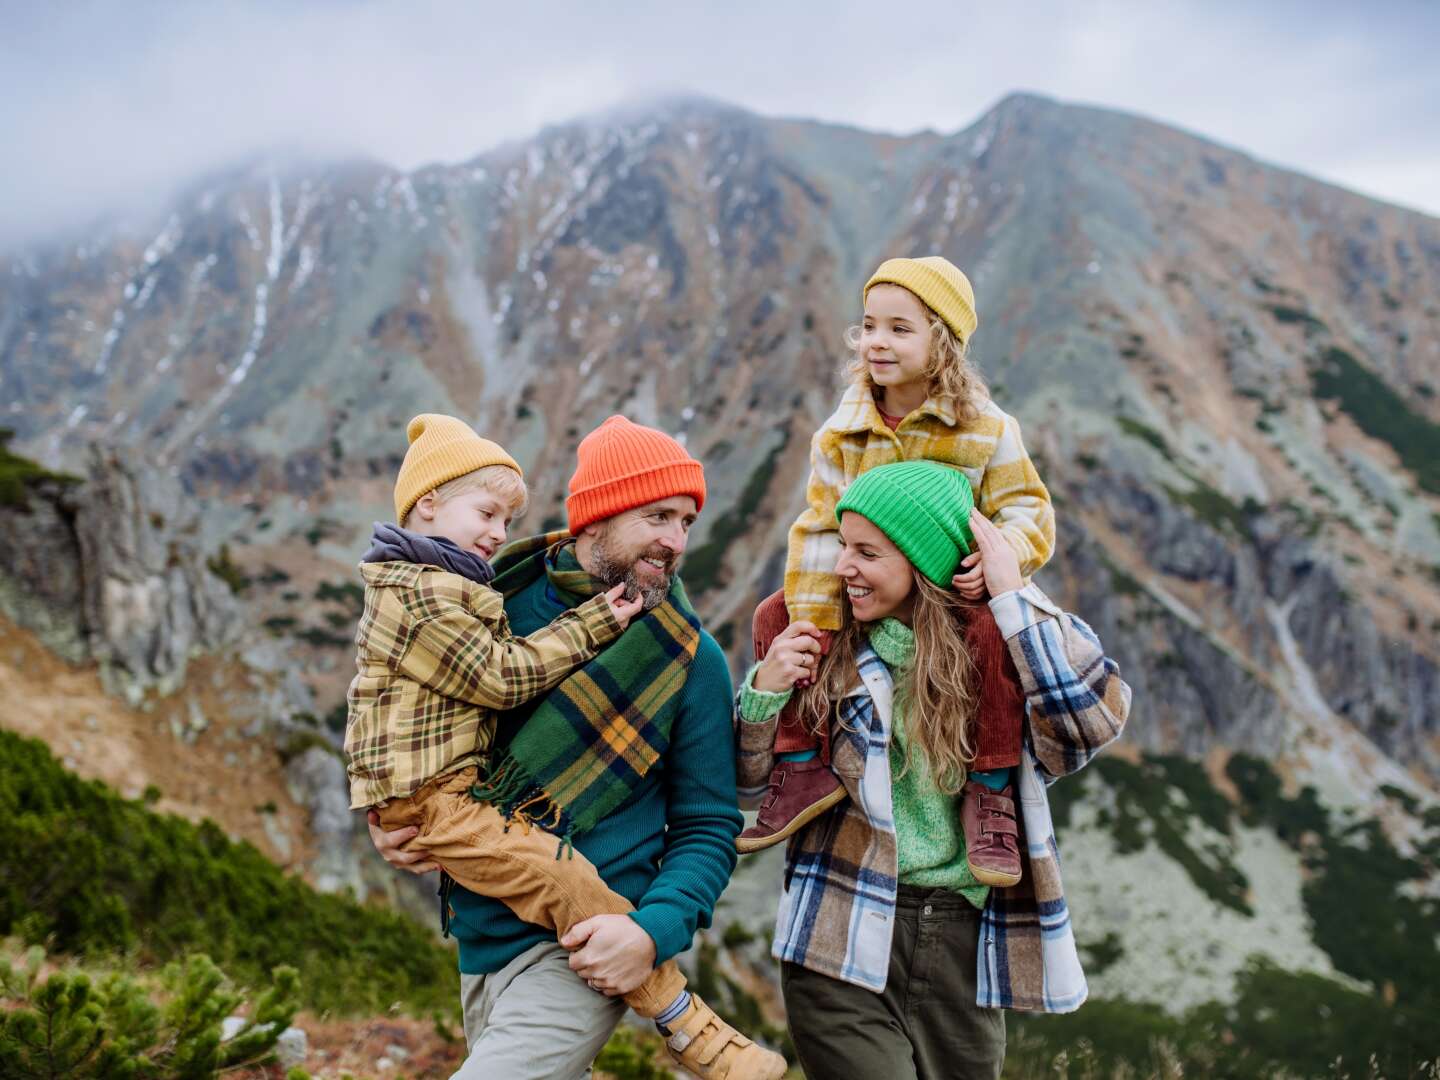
{"x": 1145, "y": 433}
{"x": 1285, "y": 313}
{"x": 1356, "y": 895}
{"x": 1381, "y": 413}
{"x": 93, "y": 874}
{"x": 18, "y": 475}
{"x": 1099, "y": 955}
{"x": 1215, "y": 508}
{"x": 633, "y": 1055}
{"x": 117, "y": 1026}
{"x": 737, "y": 936}
{"x": 1146, "y": 810}
{"x": 734, "y": 1002}
{"x": 348, "y": 594}
{"x": 1281, "y": 1023}
{"x": 322, "y": 638}
{"x": 223, "y": 566}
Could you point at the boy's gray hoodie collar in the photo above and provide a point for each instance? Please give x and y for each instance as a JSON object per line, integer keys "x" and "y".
{"x": 390, "y": 543}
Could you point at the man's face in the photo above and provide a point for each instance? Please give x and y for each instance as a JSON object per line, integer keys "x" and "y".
{"x": 641, "y": 548}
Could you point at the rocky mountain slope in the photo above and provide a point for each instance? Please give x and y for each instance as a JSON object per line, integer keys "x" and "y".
{"x": 1226, "y": 372}
{"x": 123, "y": 646}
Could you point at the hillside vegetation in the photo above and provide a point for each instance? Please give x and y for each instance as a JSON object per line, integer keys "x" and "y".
{"x": 88, "y": 873}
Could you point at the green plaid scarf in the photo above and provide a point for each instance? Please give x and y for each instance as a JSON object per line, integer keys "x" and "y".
{"x": 595, "y": 735}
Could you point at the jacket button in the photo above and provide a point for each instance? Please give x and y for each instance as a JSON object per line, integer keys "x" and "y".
{"x": 929, "y": 910}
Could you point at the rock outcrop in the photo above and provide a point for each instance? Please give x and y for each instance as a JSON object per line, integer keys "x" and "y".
{"x": 113, "y": 571}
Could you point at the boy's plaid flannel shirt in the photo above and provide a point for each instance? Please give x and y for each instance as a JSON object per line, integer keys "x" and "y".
{"x": 436, "y": 662}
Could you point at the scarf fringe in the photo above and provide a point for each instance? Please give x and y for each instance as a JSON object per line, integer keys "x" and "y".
{"x": 570, "y": 764}
{"x": 522, "y": 801}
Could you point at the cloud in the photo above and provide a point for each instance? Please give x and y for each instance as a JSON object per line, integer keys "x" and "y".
{"x": 109, "y": 105}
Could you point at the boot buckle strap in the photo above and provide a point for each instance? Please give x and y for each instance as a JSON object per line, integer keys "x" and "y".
{"x": 726, "y": 1036}
{"x": 679, "y": 1041}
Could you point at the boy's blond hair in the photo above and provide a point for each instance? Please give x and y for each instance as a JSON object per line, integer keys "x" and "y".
{"x": 499, "y": 480}
{"x": 948, "y": 372}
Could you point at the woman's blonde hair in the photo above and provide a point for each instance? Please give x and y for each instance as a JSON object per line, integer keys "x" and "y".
{"x": 500, "y": 480}
{"x": 949, "y": 372}
{"x": 940, "y": 691}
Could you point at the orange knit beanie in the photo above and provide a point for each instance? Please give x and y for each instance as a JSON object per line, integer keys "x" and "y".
{"x": 621, "y": 465}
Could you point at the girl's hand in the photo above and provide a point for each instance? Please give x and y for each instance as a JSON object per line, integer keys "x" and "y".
{"x": 624, "y": 610}
{"x": 998, "y": 561}
{"x": 793, "y": 656}
{"x": 971, "y": 583}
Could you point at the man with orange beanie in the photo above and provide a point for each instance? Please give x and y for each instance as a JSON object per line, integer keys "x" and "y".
{"x": 630, "y": 759}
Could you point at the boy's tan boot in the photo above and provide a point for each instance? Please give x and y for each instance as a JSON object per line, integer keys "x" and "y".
{"x": 705, "y": 1045}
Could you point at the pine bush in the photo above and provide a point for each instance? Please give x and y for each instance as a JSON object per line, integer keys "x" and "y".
{"x": 89, "y": 873}
{"x": 117, "y": 1027}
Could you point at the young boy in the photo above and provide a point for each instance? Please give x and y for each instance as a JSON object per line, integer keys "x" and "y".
{"x": 436, "y": 664}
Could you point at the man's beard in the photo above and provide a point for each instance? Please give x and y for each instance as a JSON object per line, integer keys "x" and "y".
{"x": 615, "y": 568}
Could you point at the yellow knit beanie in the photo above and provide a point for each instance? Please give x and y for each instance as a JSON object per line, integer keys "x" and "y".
{"x": 940, "y": 286}
{"x": 441, "y": 449}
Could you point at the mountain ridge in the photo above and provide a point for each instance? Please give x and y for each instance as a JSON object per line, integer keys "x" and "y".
{"x": 1226, "y": 373}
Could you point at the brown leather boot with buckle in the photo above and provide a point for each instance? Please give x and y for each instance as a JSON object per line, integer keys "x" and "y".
{"x": 800, "y": 791}
{"x": 992, "y": 835}
{"x": 705, "y": 1045}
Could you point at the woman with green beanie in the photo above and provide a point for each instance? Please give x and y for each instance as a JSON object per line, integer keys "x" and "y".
{"x": 895, "y": 959}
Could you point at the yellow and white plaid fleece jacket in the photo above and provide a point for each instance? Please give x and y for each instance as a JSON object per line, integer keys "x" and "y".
{"x": 988, "y": 450}
{"x": 435, "y": 662}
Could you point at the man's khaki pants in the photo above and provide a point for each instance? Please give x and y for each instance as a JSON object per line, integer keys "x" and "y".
{"x": 519, "y": 865}
{"x": 534, "y": 1020}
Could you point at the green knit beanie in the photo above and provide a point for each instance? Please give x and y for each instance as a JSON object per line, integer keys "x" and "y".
{"x": 923, "y": 507}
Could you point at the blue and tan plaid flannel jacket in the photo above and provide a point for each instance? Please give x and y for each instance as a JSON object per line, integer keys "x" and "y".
{"x": 837, "y": 912}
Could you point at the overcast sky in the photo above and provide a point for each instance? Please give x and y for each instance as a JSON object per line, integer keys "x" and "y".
{"x": 102, "y": 103}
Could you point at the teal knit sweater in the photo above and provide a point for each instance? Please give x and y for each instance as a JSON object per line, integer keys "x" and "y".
{"x": 669, "y": 850}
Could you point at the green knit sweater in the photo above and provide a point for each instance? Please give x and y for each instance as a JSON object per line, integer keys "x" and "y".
{"x": 929, "y": 843}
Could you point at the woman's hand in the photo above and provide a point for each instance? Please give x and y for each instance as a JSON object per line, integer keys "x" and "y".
{"x": 998, "y": 561}
{"x": 391, "y": 846}
{"x": 793, "y": 656}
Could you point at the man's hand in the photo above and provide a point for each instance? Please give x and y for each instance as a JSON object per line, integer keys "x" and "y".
{"x": 612, "y": 953}
{"x": 971, "y": 583}
{"x": 998, "y": 561}
{"x": 391, "y": 846}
